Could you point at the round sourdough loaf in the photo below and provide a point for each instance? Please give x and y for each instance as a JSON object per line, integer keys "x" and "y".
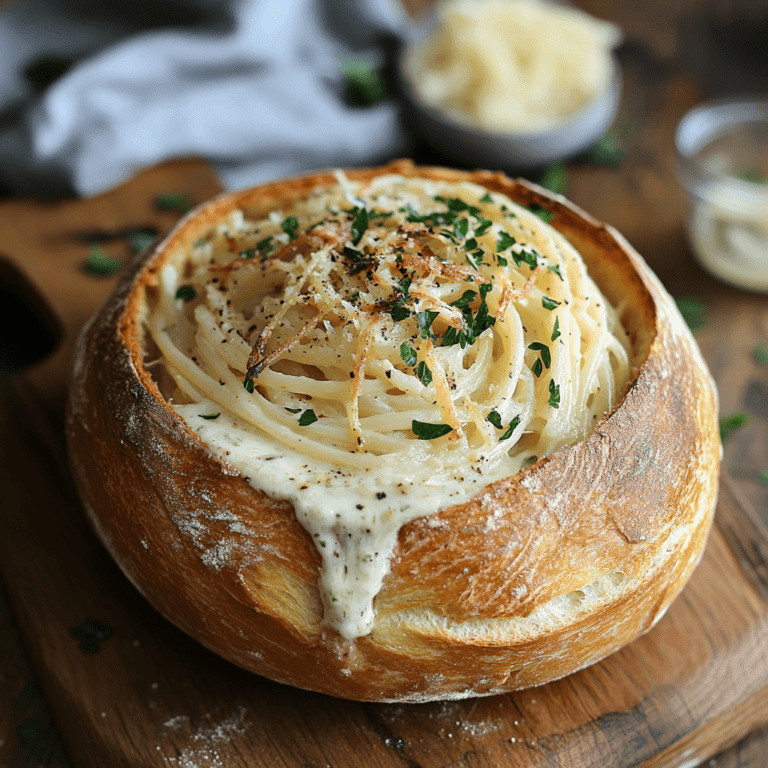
{"x": 536, "y": 576}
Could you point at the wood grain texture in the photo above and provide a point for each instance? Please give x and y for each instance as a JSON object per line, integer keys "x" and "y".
{"x": 151, "y": 697}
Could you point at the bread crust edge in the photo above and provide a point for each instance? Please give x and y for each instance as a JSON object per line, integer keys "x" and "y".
{"x": 611, "y": 527}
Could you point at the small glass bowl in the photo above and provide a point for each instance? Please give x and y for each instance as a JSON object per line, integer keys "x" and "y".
{"x": 722, "y": 153}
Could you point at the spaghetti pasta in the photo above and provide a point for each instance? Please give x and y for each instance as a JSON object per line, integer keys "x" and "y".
{"x": 373, "y": 352}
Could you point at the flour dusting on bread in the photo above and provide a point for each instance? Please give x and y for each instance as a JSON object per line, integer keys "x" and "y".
{"x": 375, "y": 352}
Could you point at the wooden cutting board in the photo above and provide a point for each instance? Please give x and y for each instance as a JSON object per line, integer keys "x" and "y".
{"x": 128, "y": 689}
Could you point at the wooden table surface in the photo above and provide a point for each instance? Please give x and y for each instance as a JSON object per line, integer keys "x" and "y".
{"x": 671, "y": 60}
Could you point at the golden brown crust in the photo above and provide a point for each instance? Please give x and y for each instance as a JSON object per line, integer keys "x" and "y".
{"x": 541, "y": 574}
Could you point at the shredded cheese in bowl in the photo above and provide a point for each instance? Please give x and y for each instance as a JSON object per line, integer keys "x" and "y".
{"x": 512, "y": 66}
{"x": 375, "y": 352}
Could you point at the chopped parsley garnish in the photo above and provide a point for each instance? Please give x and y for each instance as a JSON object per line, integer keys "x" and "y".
{"x": 209, "y": 416}
{"x": 248, "y": 385}
{"x": 408, "y": 354}
{"x": 141, "y": 239}
{"x": 472, "y": 325}
{"x": 541, "y": 212}
{"x": 545, "y": 356}
{"x": 486, "y": 198}
{"x": 465, "y": 300}
{"x": 510, "y": 429}
{"x": 483, "y": 226}
{"x": 90, "y": 634}
{"x": 365, "y": 86}
{"x": 555, "y": 178}
{"x": 548, "y": 303}
{"x": 404, "y": 284}
{"x": 554, "y": 394}
{"x": 760, "y": 355}
{"x": 359, "y": 224}
{"x": 307, "y": 418}
{"x": 292, "y": 410}
{"x": 359, "y": 261}
{"x": 186, "y": 293}
{"x": 556, "y": 270}
{"x": 495, "y": 419}
{"x": 398, "y": 311}
{"x": 426, "y": 431}
{"x": 100, "y": 263}
{"x": 526, "y": 256}
{"x": 505, "y": 241}
{"x": 264, "y": 248}
{"x": 290, "y": 225}
{"x": 607, "y": 150}
{"x": 424, "y": 320}
{"x": 730, "y": 423}
{"x": 483, "y": 320}
{"x": 174, "y": 201}
{"x": 457, "y": 205}
{"x": 475, "y": 258}
{"x": 423, "y": 374}
{"x": 556, "y": 329}
{"x": 693, "y": 310}
{"x": 763, "y": 477}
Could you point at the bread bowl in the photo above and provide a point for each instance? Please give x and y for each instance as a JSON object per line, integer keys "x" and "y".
{"x": 505, "y": 581}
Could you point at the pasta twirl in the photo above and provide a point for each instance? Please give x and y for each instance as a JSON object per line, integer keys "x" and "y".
{"x": 393, "y": 346}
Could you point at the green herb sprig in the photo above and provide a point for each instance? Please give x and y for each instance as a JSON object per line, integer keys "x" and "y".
{"x": 732, "y": 422}
{"x": 760, "y": 355}
{"x": 495, "y": 419}
{"x": 185, "y": 293}
{"x": 555, "y": 178}
{"x": 425, "y": 431}
{"x": 175, "y": 202}
{"x": 307, "y": 418}
{"x": 544, "y": 359}
{"x": 364, "y": 85}
{"x": 693, "y": 310}
{"x": 290, "y": 225}
{"x": 554, "y": 394}
{"x": 472, "y": 324}
{"x": 100, "y": 263}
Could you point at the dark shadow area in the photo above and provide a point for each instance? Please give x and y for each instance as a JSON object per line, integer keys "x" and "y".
{"x": 727, "y": 53}
{"x": 29, "y": 329}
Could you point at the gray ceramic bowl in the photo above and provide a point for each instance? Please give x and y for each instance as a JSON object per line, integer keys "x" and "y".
{"x": 507, "y": 151}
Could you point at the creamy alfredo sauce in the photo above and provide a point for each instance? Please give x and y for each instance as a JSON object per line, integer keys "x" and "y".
{"x": 374, "y": 354}
{"x": 353, "y": 516}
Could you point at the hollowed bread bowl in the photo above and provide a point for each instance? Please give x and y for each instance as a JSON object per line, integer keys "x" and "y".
{"x": 535, "y": 577}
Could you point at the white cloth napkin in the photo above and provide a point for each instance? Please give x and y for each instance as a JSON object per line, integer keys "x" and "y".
{"x": 256, "y": 86}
